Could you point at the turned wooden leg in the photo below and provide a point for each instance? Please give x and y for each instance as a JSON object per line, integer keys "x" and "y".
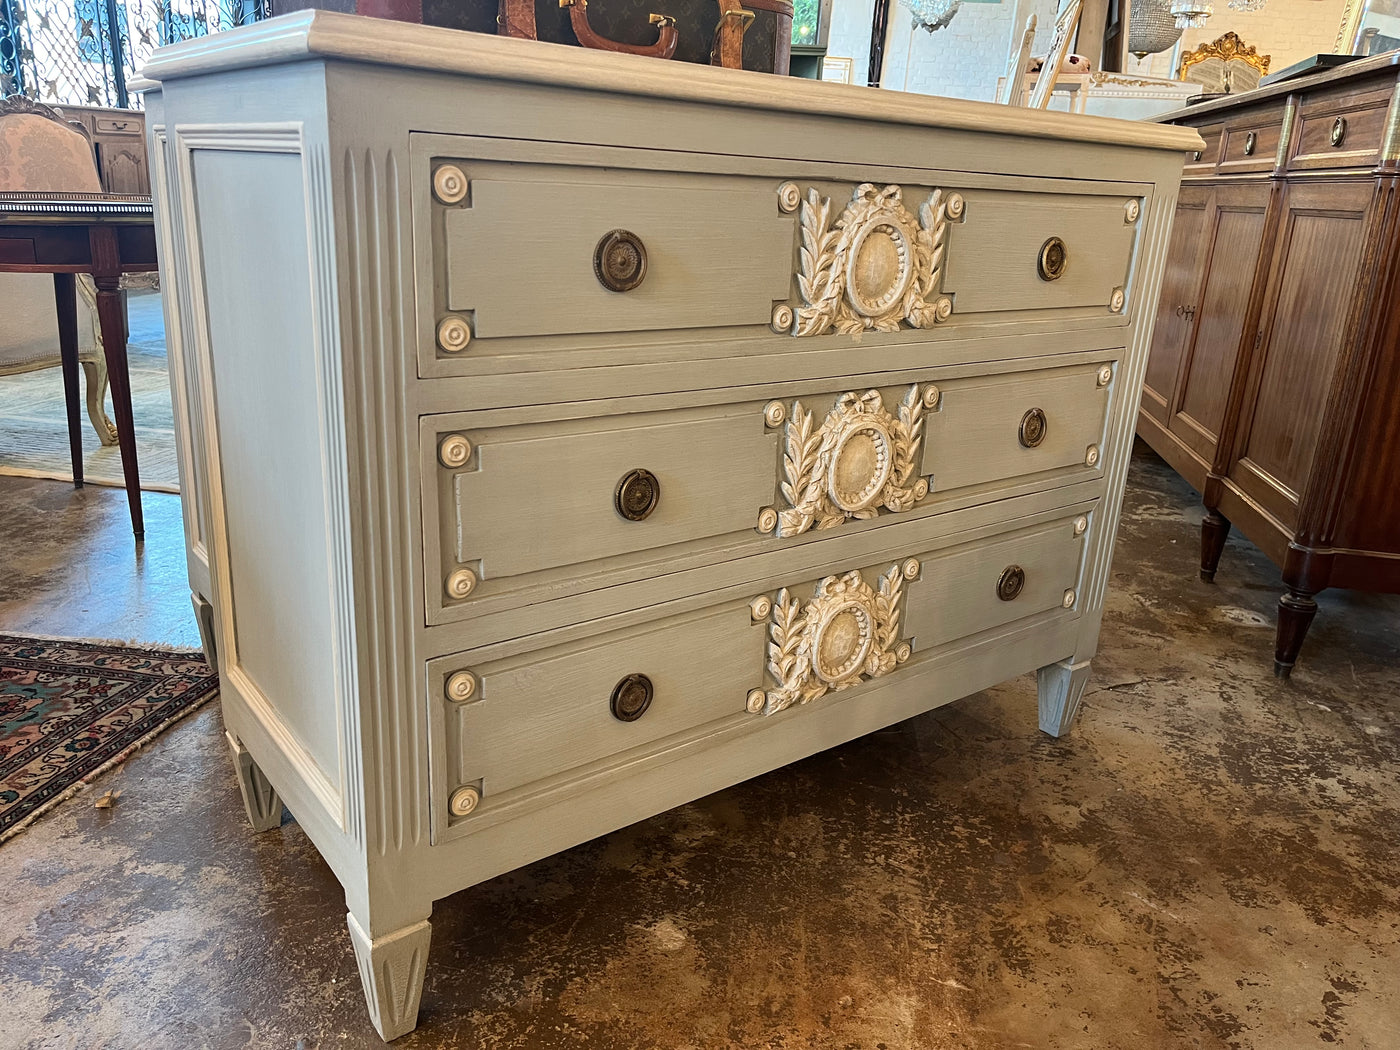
{"x": 1295, "y": 616}
{"x": 204, "y": 618}
{"x": 66, "y": 301}
{"x": 1215, "y": 528}
{"x": 1061, "y": 686}
{"x": 260, "y": 798}
{"x": 392, "y": 968}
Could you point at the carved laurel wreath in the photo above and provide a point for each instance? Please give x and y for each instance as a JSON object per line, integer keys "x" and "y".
{"x": 822, "y": 485}
{"x": 846, "y": 633}
{"x": 834, "y": 288}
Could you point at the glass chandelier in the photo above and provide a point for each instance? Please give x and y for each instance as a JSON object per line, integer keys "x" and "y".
{"x": 1192, "y": 14}
{"x": 1246, "y": 5}
{"x": 932, "y": 14}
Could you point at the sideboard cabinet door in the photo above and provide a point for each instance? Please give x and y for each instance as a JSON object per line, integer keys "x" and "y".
{"x": 1181, "y": 285}
{"x": 1234, "y": 221}
{"x": 1316, "y": 263}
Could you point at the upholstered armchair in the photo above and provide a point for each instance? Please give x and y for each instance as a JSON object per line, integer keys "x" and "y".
{"x": 41, "y": 151}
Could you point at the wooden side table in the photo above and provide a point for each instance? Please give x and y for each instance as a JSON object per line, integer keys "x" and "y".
{"x": 105, "y": 235}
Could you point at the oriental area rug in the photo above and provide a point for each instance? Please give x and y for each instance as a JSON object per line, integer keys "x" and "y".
{"x": 69, "y": 710}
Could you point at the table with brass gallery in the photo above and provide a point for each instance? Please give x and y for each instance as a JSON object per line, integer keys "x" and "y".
{"x": 572, "y": 435}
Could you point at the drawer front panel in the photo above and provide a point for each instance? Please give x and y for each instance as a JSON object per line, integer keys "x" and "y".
{"x": 1340, "y": 131}
{"x": 519, "y": 510}
{"x": 1251, "y": 145}
{"x": 993, "y": 257}
{"x": 667, "y": 259}
{"x": 715, "y": 254}
{"x": 525, "y": 717}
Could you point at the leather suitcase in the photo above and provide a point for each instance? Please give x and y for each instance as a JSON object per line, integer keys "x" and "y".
{"x": 754, "y": 34}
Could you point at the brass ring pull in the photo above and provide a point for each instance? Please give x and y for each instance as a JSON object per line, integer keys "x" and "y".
{"x": 1250, "y": 141}
{"x": 1011, "y": 583}
{"x": 1053, "y": 259}
{"x": 637, "y": 494}
{"x": 1033, "y": 428}
{"x": 1196, "y": 157}
{"x": 631, "y": 697}
{"x": 1339, "y": 131}
{"x": 620, "y": 260}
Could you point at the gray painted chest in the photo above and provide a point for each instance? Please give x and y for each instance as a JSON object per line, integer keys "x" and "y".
{"x": 565, "y": 435}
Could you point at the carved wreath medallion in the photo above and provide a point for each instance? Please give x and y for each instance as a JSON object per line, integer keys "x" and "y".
{"x": 860, "y": 459}
{"x": 877, "y": 267}
{"x": 846, "y": 633}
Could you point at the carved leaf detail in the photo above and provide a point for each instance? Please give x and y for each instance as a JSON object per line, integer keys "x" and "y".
{"x": 826, "y": 249}
{"x": 794, "y": 629}
{"x": 810, "y": 453}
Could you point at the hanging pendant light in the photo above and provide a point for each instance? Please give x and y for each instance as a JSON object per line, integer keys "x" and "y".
{"x": 1151, "y": 28}
{"x": 1191, "y": 14}
{"x": 932, "y": 14}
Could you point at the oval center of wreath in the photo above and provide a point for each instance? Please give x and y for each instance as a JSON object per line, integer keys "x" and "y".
{"x": 860, "y": 468}
{"x": 842, "y": 643}
{"x": 879, "y": 269}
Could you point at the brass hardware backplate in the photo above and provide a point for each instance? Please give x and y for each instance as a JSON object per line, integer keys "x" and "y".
{"x": 620, "y": 260}
{"x": 1009, "y": 586}
{"x": 637, "y": 494}
{"x": 1053, "y": 259}
{"x": 631, "y": 697}
{"x": 1033, "y": 428}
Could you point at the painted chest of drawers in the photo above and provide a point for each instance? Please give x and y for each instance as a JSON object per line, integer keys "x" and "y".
{"x": 566, "y": 436}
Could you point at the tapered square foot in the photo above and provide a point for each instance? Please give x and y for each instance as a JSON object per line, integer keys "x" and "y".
{"x": 260, "y": 798}
{"x": 1061, "y": 686}
{"x": 392, "y": 968}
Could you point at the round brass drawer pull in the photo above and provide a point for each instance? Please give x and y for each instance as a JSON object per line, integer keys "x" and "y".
{"x": 1034, "y": 426}
{"x": 1009, "y": 586}
{"x": 630, "y": 698}
{"x": 1250, "y": 141}
{"x": 1053, "y": 259}
{"x": 1339, "y": 131}
{"x": 637, "y": 494}
{"x": 620, "y": 260}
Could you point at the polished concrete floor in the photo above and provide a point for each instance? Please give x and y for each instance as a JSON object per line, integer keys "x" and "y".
{"x": 1210, "y": 858}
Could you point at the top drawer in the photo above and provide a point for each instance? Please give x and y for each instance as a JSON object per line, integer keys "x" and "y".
{"x": 1203, "y": 161}
{"x": 554, "y": 256}
{"x": 1340, "y": 129}
{"x": 1250, "y": 143}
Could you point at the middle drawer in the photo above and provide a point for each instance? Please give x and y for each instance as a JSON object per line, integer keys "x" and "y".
{"x": 523, "y": 505}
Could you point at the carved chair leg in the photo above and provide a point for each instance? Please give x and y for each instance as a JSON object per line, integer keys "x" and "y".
{"x": 392, "y": 968}
{"x": 204, "y": 617}
{"x": 1215, "y": 529}
{"x": 1295, "y": 616}
{"x": 260, "y": 798}
{"x": 1061, "y": 686}
{"x": 95, "y": 381}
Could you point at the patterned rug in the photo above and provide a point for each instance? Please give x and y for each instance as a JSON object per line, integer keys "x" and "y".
{"x": 69, "y": 710}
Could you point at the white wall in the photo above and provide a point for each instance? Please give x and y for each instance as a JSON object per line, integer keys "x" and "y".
{"x": 965, "y": 59}
{"x": 850, "y": 35}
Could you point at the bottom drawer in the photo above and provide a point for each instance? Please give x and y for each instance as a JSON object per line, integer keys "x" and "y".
{"x": 529, "y": 715}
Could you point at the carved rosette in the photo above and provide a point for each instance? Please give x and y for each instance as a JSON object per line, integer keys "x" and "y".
{"x": 860, "y": 459}
{"x": 876, "y": 267}
{"x": 848, "y": 632}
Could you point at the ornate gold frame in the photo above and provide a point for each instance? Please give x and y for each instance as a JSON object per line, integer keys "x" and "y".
{"x": 1228, "y": 48}
{"x": 1346, "y": 32}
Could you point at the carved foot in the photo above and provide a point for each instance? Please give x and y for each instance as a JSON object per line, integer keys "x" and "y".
{"x": 260, "y": 798}
{"x": 1295, "y": 616}
{"x": 204, "y": 617}
{"x": 1215, "y": 529}
{"x": 392, "y": 968}
{"x": 1061, "y": 685}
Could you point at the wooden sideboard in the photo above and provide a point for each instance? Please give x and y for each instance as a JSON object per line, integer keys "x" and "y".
{"x": 567, "y": 435}
{"x": 1273, "y": 385}
{"x": 119, "y": 141}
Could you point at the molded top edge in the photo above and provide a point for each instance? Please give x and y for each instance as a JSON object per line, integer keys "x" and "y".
{"x": 331, "y": 35}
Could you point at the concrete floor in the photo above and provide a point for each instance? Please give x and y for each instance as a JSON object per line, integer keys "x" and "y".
{"x": 1208, "y": 860}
